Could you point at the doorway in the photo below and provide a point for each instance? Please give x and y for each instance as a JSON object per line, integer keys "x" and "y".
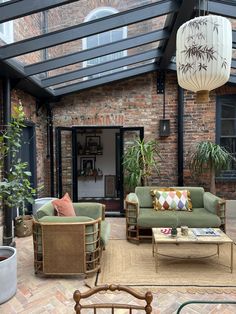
{"x": 89, "y": 164}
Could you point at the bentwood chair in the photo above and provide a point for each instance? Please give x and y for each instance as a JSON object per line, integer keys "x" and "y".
{"x": 78, "y": 296}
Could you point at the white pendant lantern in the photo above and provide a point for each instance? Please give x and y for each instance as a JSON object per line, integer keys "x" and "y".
{"x": 203, "y": 54}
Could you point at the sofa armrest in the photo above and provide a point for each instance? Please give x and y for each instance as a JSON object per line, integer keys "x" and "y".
{"x": 132, "y": 208}
{"x": 90, "y": 209}
{"x": 214, "y": 204}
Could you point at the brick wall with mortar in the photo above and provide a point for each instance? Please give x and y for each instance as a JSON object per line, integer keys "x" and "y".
{"x": 134, "y": 102}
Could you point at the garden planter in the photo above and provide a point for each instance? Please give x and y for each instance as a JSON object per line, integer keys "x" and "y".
{"x": 23, "y": 226}
{"x": 8, "y": 273}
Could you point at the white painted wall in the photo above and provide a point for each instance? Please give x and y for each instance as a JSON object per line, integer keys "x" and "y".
{"x": 87, "y": 187}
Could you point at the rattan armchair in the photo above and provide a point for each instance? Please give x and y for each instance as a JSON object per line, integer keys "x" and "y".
{"x": 67, "y": 248}
{"x": 145, "y": 308}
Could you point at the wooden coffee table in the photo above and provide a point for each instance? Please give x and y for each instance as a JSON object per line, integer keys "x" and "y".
{"x": 159, "y": 237}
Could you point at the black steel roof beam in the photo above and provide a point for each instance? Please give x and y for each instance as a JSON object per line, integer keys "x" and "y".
{"x": 232, "y": 79}
{"x": 106, "y": 66}
{"x": 89, "y": 28}
{"x": 234, "y": 39}
{"x": 15, "y": 9}
{"x": 106, "y": 79}
{"x": 220, "y": 7}
{"x": 81, "y": 56}
{"x": 184, "y": 14}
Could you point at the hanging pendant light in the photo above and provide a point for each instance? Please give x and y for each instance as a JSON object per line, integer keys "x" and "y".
{"x": 203, "y": 54}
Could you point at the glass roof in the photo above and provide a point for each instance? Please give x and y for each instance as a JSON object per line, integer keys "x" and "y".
{"x": 89, "y": 40}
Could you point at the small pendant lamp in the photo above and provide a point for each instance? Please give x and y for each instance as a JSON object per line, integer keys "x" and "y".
{"x": 203, "y": 54}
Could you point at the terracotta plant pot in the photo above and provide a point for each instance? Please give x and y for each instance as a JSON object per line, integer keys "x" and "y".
{"x": 23, "y": 226}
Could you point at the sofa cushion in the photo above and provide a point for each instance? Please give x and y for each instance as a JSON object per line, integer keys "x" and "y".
{"x": 150, "y": 218}
{"x": 171, "y": 200}
{"x": 144, "y": 195}
{"x": 64, "y": 206}
{"x": 197, "y": 218}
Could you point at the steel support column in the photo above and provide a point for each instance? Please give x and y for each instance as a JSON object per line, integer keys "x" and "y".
{"x": 180, "y": 136}
{"x": 8, "y": 213}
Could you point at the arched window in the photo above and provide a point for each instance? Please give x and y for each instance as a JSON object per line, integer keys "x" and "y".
{"x": 104, "y": 38}
{"x": 6, "y": 30}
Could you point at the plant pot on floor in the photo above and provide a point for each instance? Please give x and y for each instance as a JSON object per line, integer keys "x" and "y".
{"x": 23, "y": 226}
{"x": 8, "y": 273}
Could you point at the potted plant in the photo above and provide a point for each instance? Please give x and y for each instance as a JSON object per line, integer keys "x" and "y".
{"x": 209, "y": 157}
{"x": 15, "y": 187}
{"x": 8, "y": 273}
{"x": 140, "y": 162}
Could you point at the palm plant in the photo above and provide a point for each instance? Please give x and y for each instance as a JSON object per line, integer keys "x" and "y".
{"x": 140, "y": 160}
{"x": 209, "y": 157}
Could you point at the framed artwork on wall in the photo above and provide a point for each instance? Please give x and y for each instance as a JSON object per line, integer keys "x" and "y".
{"x": 87, "y": 165}
{"x": 110, "y": 186}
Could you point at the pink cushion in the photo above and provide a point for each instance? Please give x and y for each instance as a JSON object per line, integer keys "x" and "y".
{"x": 64, "y": 206}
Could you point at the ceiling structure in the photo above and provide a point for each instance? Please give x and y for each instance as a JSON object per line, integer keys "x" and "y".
{"x": 56, "y": 74}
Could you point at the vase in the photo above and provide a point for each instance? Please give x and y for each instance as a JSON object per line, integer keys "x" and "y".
{"x": 174, "y": 232}
{"x": 8, "y": 273}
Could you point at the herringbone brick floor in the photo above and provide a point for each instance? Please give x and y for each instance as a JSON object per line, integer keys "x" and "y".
{"x": 36, "y": 295}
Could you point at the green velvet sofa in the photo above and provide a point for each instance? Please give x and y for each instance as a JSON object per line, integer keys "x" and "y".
{"x": 70, "y": 245}
{"x": 208, "y": 211}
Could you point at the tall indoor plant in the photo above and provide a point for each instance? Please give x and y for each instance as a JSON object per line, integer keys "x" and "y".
{"x": 140, "y": 161}
{"x": 209, "y": 157}
{"x": 15, "y": 187}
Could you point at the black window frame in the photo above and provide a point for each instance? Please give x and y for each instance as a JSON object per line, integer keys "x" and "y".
{"x": 224, "y": 175}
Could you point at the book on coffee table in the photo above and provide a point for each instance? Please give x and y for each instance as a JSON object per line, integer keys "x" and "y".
{"x": 205, "y": 232}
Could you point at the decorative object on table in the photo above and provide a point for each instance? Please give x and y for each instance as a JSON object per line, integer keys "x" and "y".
{"x": 205, "y": 232}
{"x": 209, "y": 157}
{"x": 174, "y": 232}
{"x": 184, "y": 230}
{"x": 203, "y": 54}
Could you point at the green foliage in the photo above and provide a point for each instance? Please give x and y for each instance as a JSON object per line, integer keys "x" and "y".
{"x": 15, "y": 187}
{"x": 208, "y": 156}
{"x": 140, "y": 161}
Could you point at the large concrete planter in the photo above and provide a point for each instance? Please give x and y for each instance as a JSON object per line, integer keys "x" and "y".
{"x": 8, "y": 273}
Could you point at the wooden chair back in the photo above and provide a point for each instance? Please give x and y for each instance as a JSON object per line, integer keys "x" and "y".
{"x": 146, "y": 297}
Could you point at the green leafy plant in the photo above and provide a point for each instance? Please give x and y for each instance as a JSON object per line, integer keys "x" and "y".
{"x": 140, "y": 162}
{"x": 209, "y": 157}
{"x": 15, "y": 187}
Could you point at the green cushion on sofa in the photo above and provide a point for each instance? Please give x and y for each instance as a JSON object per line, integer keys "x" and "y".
{"x": 144, "y": 196}
{"x": 93, "y": 210}
{"x": 105, "y": 232}
{"x": 199, "y": 218}
{"x": 46, "y": 210}
{"x": 150, "y": 218}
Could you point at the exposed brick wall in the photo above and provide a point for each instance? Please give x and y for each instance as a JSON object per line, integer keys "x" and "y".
{"x": 29, "y": 105}
{"x": 134, "y": 102}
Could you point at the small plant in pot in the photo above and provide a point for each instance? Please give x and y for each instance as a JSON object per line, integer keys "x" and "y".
{"x": 15, "y": 188}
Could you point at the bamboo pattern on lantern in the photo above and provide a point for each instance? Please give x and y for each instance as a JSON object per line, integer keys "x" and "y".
{"x": 201, "y": 52}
